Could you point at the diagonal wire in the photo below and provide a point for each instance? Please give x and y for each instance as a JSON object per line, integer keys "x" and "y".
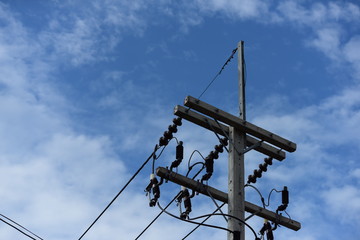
{"x": 163, "y": 210}
{"x": 222, "y": 68}
{"x": 194, "y": 229}
{"x": 157, "y": 216}
{"x": 118, "y": 194}
{"x": 17, "y": 229}
{"x": 20, "y": 226}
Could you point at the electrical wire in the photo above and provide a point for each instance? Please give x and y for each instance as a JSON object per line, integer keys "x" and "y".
{"x": 190, "y": 221}
{"x": 192, "y": 156}
{"x": 212, "y": 198}
{"x": 20, "y": 226}
{"x": 17, "y": 229}
{"x": 192, "y": 166}
{"x": 227, "y": 215}
{"x": 216, "y": 75}
{"x": 147, "y": 227}
{"x": 268, "y": 200}
{"x": 118, "y": 194}
{"x": 212, "y": 129}
{"x": 194, "y": 229}
{"x": 257, "y": 190}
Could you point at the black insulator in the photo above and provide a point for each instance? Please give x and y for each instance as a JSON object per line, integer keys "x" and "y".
{"x": 163, "y": 141}
{"x": 263, "y": 167}
{"x": 219, "y": 148}
{"x": 180, "y": 151}
{"x": 224, "y": 141}
{"x": 172, "y": 128}
{"x": 209, "y": 165}
{"x": 214, "y": 155}
{"x": 251, "y": 179}
{"x": 168, "y": 135}
{"x": 285, "y": 196}
{"x": 257, "y": 173}
{"x": 177, "y": 121}
{"x": 152, "y": 202}
{"x": 269, "y": 233}
{"x": 268, "y": 160}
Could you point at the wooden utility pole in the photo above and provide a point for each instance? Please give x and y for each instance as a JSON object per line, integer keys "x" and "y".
{"x": 243, "y": 136}
{"x": 236, "y": 164}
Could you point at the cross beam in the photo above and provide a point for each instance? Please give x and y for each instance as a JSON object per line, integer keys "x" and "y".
{"x": 223, "y": 197}
{"x": 223, "y": 130}
{"x": 240, "y": 124}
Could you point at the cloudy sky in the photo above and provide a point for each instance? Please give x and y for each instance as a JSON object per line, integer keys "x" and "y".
{"x": 88, "y": 87}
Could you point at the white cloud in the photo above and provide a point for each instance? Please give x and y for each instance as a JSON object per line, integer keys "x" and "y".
{"x": 343, "y": 203}
{"x": 243, "y": 9}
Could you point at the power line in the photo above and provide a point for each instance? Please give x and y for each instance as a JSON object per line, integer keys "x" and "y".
{"x": 118, "y": 194}
{"x": 18, "y": 229}
{"x": 147, "y": 227}
{"x": 187, "y": 235}
{"x": 20, "y": 226}
{"x": 193, "y": 222}
{"x": 222, "y": 68}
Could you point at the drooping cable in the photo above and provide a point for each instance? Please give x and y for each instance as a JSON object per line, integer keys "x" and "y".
{"x": 258, "y": 191}
{"x": 227, "y": 215}
{"x": 7, "y": 218}
{"x": 193, "y": 222}
{"x": 118, "y": 194}
{"x": 147, "y": 227}
{"x": 17, "y": 229}
{"x": 195, "y": 151}
{"x": 194, "y": 229}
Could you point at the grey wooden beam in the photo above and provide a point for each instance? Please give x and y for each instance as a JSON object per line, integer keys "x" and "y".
{"x": 236, "y": 122}
{"x": 223, "y": 197}
{"x": 223, "y": 130}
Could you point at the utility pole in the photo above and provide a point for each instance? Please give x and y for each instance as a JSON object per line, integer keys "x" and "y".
{"x": 243, "y": 136}
{"x": 236, "y": 163}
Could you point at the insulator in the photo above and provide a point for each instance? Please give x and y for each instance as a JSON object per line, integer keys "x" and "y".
{"x": 180, "y": 151}
{"x": 219, "y": 148}
{"x": 224, "y": 141}
{"x": 163, "y": 141}
{"x": 214, "y": 155}
{"x": 209, "y": 164}
{"x": 177, "y": 121}
{"x": 168, "y": 135}
{"x": 172, "y": 128}
{"x": 263, "y": 167}
{"x": 285, "y": 196}
{"x": 251, "y": 179}
{"x": 154, "y": 185}
{"x": 257, "y": 173}
{"x": 268, "y": 160}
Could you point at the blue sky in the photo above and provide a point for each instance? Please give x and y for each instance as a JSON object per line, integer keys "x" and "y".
{"x": 88, "y": 87}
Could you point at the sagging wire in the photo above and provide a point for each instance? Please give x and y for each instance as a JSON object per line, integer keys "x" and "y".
{"x": 258, "y": 191}
{"x": 18, "y": 229}
{"x": 195, "y": 151}
{"x": 190, "y": 221}
{"x": 194, "y": 229}
{"x": 229, "y": 216}
{"x": 197, "y": 163}
{"x": 147, "y": 227}
{"x": 192, "y": 166}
